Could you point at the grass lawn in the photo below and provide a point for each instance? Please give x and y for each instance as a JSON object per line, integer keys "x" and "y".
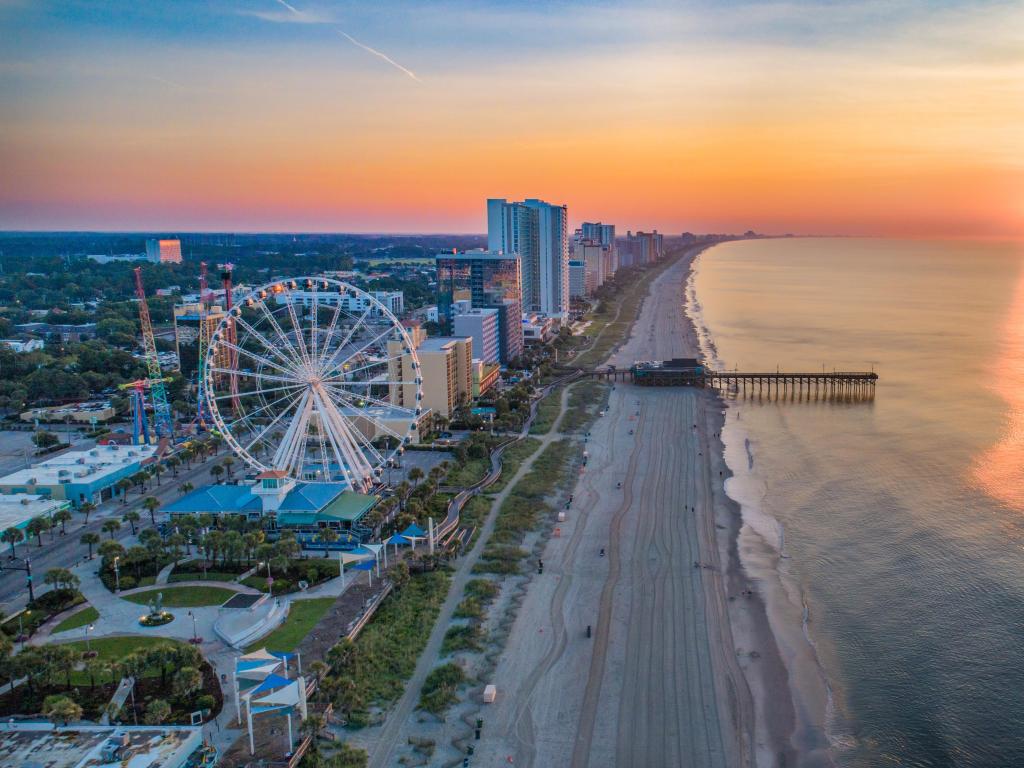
{"x": 210, "y": 576}
{"x": 114, "y": 649}
{"x": 302, "y": 617}
{"x": 80, "y": 619}
{"x": 184, "y": 597}
{"x": 472, "y": 472}
{"x": 512, "y": 457}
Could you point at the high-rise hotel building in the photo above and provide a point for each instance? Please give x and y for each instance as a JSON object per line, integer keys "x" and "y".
{"x": 538, "y": 232}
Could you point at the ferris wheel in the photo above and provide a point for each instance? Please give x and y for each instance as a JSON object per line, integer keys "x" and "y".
{"x": 315, "y": 378}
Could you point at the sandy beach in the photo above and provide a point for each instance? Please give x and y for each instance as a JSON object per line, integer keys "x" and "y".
{"x": 681, "y": 667}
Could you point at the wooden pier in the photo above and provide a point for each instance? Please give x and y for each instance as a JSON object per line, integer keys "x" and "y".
{"x": 837, "y": 384}
{"x": 850, "y": 385}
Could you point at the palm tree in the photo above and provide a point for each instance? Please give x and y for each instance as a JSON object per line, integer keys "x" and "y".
{"x": 123, "y": 485}
{"x": 228, "y": 463}
{"x": 415, "y": 474}
{"x": 174, "y": 462}
{"x": 111, "y": 526}
{"x": 36, "y": 526}
{"x": 62, "y": 516}
{"x": 216, "y": 471}
{"x": 131, "y": 517}
{"x": 185, "y": 488}
{"x": 86, "y": 508}
{"x": 327, "y": 535}
{"x": 90, "y": 540}
{"x": 158, "y": 469}
{"x": 12, "y": 536}
{"x": 151, "y": 503}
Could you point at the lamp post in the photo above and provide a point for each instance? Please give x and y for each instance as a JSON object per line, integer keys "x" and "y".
{"x": 117, "y": 575}
{"x": 196, "y": 640}
{"x": 88, "y": 649}
{"x": 21, "y": 627}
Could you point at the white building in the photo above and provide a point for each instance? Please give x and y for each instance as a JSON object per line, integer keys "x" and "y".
{"x": 17, "y": 510}
{"x": 482, "y": 325}
{"x": 80, "y": 476}
{"x": 538, "y": 232}
{"x": 394, "y": 301}
{"x": 164, "y": 251}
{"x": 32, "y": 345}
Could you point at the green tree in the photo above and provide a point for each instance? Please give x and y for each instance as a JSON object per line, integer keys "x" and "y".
{"x": 61, "y": 578}
{"x": 327, "y": 536}
{"x": 216, "y": 471}
{"x": 415, "y": 474}
{"x": 111, "y": 526}
{"x": 228, "y": 463}
{"x": 157, "y": 711}
{"x": 131, "y": 517}
{"x": 12, "y": 536}
{"x": 36, "y": 526}
{"x": 151, "y": 503}
{"x": 62, "y": 516}
{"x": 185, "y": 488}
{"x": 44, "y": 439}
{"x": 60, "y": 710}
{"x": 187, "y": 681}
{"x": 86, "y": 508}
{"x": 90, "y": 540}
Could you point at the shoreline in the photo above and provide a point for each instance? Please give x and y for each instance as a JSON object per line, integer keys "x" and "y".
{"x": 797, "y": 728}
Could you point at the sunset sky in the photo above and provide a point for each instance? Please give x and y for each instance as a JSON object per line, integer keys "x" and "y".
{"x": 883, "y": 117}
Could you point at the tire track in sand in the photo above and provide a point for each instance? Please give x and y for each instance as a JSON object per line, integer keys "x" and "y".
{"x": 522, "y": 728}
{"x": 592, "y": 695}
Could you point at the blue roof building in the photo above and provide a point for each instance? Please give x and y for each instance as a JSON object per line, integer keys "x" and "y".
{"x": 218, "y": 500}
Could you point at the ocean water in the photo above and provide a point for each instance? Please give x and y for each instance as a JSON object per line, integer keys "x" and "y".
{"x": 900, "y": 519}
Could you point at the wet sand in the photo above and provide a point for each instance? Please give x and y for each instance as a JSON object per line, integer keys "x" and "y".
{"x": 681, "y": 667}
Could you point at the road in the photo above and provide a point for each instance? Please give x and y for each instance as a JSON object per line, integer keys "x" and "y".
{"x": 657, "y": 684}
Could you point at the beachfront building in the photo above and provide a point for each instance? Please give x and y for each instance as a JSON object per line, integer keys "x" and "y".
{"x": 482, "y": 326}
{"x": 538, "y": 232}
{"x": 489, "y": 280}
{"x": 445, "y": 370}
{"x": 577, "y": 279}
{"x": 81, "y": 476}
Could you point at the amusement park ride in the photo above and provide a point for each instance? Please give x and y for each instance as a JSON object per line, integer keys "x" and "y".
{"x": 311, "y": 378}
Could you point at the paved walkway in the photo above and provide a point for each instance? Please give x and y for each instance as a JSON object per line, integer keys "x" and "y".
{"x": 386, "y": 739}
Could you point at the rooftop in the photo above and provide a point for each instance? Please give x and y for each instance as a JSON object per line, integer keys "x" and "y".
{"x": 216, "y": 499}
{"x": 82, "y": 466}
{"x": 19, "y": 508}
{"x": 40, "y": 745}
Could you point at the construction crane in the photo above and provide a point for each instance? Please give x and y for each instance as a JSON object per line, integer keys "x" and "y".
{"x": 204, "y": 343}
{"x": 140, "y": 425}
{"x": 162, "y": 422}
{"x": 229, "y": 328}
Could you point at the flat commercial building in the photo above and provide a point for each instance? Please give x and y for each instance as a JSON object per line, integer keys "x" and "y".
{"x": 482, "y": 325}
{"x": 393, "y": 301}
{"x": 538, "y": 232}
{"x": 93, "y": 412}
{"x": 164, "y": 250}
{"x": 98, "y": 746}
{"x": 16, "y": 510}
{"x": 493, "y": 280}
{"x": 66, "y": 331}
{"x": 80, "y": 476}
